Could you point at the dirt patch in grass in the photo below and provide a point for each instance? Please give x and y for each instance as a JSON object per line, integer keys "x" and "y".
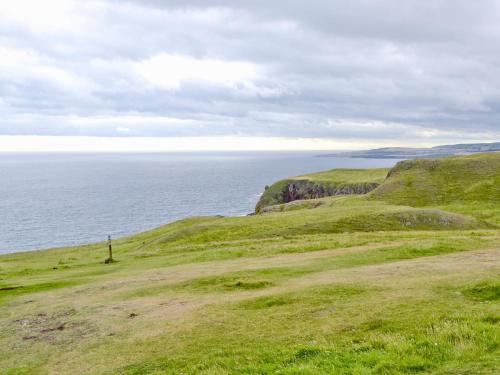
{"x": 48, "y": 327}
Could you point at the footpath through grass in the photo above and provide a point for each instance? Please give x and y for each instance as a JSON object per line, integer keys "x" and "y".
{"x": 388, "y": 303}
{"x": 352, "y": 285}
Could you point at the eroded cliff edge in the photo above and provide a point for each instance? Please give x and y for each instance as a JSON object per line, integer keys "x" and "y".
{"x": 324, "y": 184}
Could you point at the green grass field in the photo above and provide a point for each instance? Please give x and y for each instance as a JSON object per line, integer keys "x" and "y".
{"x": 402, "y": 280}
{"x": 348, "y": 175}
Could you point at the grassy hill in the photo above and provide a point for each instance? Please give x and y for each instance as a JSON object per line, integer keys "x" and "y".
{"x": 401, "y": 280}
{"x": 424, "y": 182}
{"x": 466, "y": 184}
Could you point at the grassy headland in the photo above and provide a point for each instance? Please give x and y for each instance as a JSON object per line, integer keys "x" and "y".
{"x": 323, "y": 184}
{"x": 403, "y": 279}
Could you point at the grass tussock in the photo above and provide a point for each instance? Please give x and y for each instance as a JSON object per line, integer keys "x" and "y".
{"x": 484, "y": 291}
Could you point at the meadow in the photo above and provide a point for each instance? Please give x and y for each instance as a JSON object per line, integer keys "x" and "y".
{"x": 402, "y": 280}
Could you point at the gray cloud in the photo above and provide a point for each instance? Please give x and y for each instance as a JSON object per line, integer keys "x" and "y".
{"x": 386, "y": 69}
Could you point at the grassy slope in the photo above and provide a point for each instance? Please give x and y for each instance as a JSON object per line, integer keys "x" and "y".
{"x": 357, "y": 285}
{"x": 425, "y": 182}
{"x": 337, "y": 177}
{"x": 467, "y": 184}
{"x": 346, "y": 176}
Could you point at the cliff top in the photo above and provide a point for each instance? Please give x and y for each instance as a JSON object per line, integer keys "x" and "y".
{"x": 347, "y": 176}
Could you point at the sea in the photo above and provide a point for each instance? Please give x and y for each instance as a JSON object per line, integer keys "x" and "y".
{"x": 54, "y": 200}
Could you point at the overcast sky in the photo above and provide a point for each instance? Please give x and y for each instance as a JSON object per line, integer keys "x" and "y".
{"x": 341, "y": 73}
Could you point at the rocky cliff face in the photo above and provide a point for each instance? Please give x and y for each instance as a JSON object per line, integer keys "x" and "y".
{"x": 291, "y": 190}
{"x": 310, "y": 190}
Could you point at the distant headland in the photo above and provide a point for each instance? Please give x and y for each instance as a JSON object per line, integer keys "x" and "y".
{"x": 410, "y": 153}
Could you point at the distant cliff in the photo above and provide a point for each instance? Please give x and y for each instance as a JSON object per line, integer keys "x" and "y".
{"x": 412, "y": 153}
{"x": 319, "y": 185}
{"x": 291, "y": 190}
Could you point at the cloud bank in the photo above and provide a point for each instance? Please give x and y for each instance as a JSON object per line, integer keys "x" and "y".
{"x": 414, "y": 72}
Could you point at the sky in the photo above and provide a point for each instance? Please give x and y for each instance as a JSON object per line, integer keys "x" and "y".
{"x": 220, "y": 74}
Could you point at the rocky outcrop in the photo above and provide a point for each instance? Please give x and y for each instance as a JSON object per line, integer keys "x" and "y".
{"x": 310, "y": 190}
{"x": 291, "y": 190}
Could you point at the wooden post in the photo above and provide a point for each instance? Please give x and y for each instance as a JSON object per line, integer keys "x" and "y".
{"x": 110, "y": 249}
{"x": 110, "y": 259}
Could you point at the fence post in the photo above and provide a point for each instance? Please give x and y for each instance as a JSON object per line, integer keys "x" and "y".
{"x": 110, "y": 259}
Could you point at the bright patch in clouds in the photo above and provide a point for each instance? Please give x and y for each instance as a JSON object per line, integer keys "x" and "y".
{"x": 24, "y": 66}
{"x": 169, "y": 71}
{"x": 47, "y": 16}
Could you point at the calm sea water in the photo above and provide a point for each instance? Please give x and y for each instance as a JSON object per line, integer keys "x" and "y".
{"x": 51, "y": 200}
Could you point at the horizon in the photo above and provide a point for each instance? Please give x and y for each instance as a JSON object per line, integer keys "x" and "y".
{"x": 68, "y": 144}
